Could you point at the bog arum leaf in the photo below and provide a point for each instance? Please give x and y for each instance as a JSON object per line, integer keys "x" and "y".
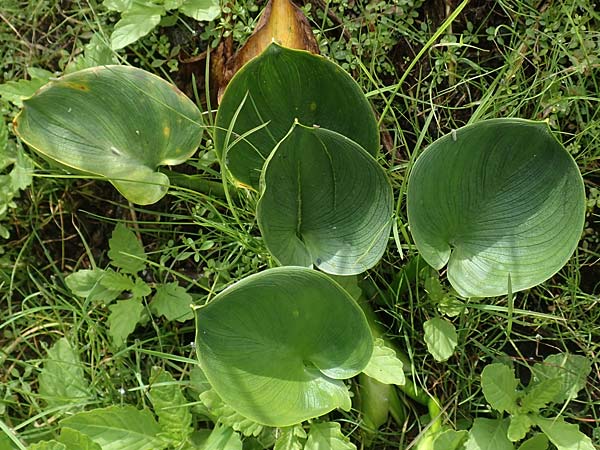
{"x": 499, "y": 387}
{"x": 118, "y": 428}
{"x": 276, "y": 345}
{"x": 62, "y": 381}
{"x": 440, "y": 337}
{"x": 325, "y": 202}
{"x": 498, "y": 197}
{"x": 116, "y": 122}
{"x": 275, "y": 89}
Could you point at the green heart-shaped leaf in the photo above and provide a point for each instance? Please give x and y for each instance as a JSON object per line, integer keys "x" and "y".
{"x": 276, "y": 345}
{"x": 278, "y": 87}
{"x": 118, "y": 122}
{"x": 325, "y": 201}
{"x": 500, "y": 197}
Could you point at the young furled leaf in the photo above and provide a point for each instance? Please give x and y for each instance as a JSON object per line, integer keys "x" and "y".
{"x": 564, "y": 435}
{"x": 62, "y": 380}
{"x": 440, "y": 337}
{"x": 327, "y": 435}
{"x": 171, "y": 407}
{"x": 126, "y": 251}
{"x": 173, "y": 302}
{"x": 124, "y": 317}
{"x": 118, "y": 428}
{"x": 384, "y": 366}
{"x": 488, "y": 434}
{"x": 500, "y": 387}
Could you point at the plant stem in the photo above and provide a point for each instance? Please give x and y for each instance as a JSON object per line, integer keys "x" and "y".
{"x": 195, "y": 183}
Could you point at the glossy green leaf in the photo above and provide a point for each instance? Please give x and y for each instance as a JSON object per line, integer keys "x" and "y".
{"x": 62, "y": 381}
{"x": 564, "y": 436}
{"x": 499, "y": 387}
{"x": 326, "y": 202}
{"x": 276, "y": 345}
{"x": 117, "y": 122}
{"x": 275, "y": 89}
{"x": 118, "y": 428}
{"x": 495, "y": 198}
{"x": 440, "y": 337}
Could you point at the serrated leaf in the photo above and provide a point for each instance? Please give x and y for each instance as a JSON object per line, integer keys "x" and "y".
{"x": 450, "y": 440}
{"x": 16, "y": 91}
{"x": 223, "y": 438}
{"x": 539, "y": 395}
{"x": 171, "y": 407}
{"x": 440, "y": 337}
{"x": 75, "y": 440}
{"x": 571, "y": 370}
{"x": 520, "y": 424}
{"x": 173, "y": 302}
{"x": 118, "y": 428}
{"x": 47, "y": 445}
{"x": 117, "y": 281}
{"x": 137, "y": 21}
{"x": 327, "y": 435}
{"x": 22, "y": 173}
{"x": 489, "y": 434}
{"x": 62, "y": 380}
{"x": 499, "y": 387}
{"x": 126, "y": 251}
{"x": 229, "y": 416}
{"x": 537, "y": 442}
{"x": 564, "y": 436}
{"x": 201, "y": 9}
{"x": 124, "y": 317}
{"x": 384, "y": 366}
{"x": 291, "y": 438}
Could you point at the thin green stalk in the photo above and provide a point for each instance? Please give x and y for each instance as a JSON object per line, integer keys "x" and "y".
{"x": 195, "y": 183}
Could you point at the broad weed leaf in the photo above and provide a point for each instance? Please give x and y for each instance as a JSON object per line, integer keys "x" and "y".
{"x": 564, "y": 436}
{"x": 62, "y": 381}
{"x": 48, "y": 445}
{"x": 537, "y": 442}
{"x": 440, "y": 337}
{"x": 384, "y": 366}
{"x": 118, "y": 428}
{"x": 520, "y": 424}
{"x": 226, "y": 415}
{"x": 171, "y": 407}
{"x": 500, "y": 387}
{"x": 327, "y": 435}
{"x": 124, "y": 317}
{"x": 571, "y": 371}
{"x": 450, "y": 440}
{"x": 136, "y": 21}
{"x": 173, "y": 302}
{"x": 75, "y": 440}
{"x": 223, "y": 438}
{"x": 291, "y": 438}
{"x": 126, "y": 251}
{"x": 488, "y": 434}
{"x": 201, "y": 10}
{"x": 16, "y": 91}
{"x": 538, "y": 395}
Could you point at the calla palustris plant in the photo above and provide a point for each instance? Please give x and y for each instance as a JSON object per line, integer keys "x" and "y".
{"x": 498, "y": 198}
{"x": 276, "y": 89}
{"x": 325, "y": 202}
{"x": 276, "y": 346}
{"x": 117, "y": 122}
